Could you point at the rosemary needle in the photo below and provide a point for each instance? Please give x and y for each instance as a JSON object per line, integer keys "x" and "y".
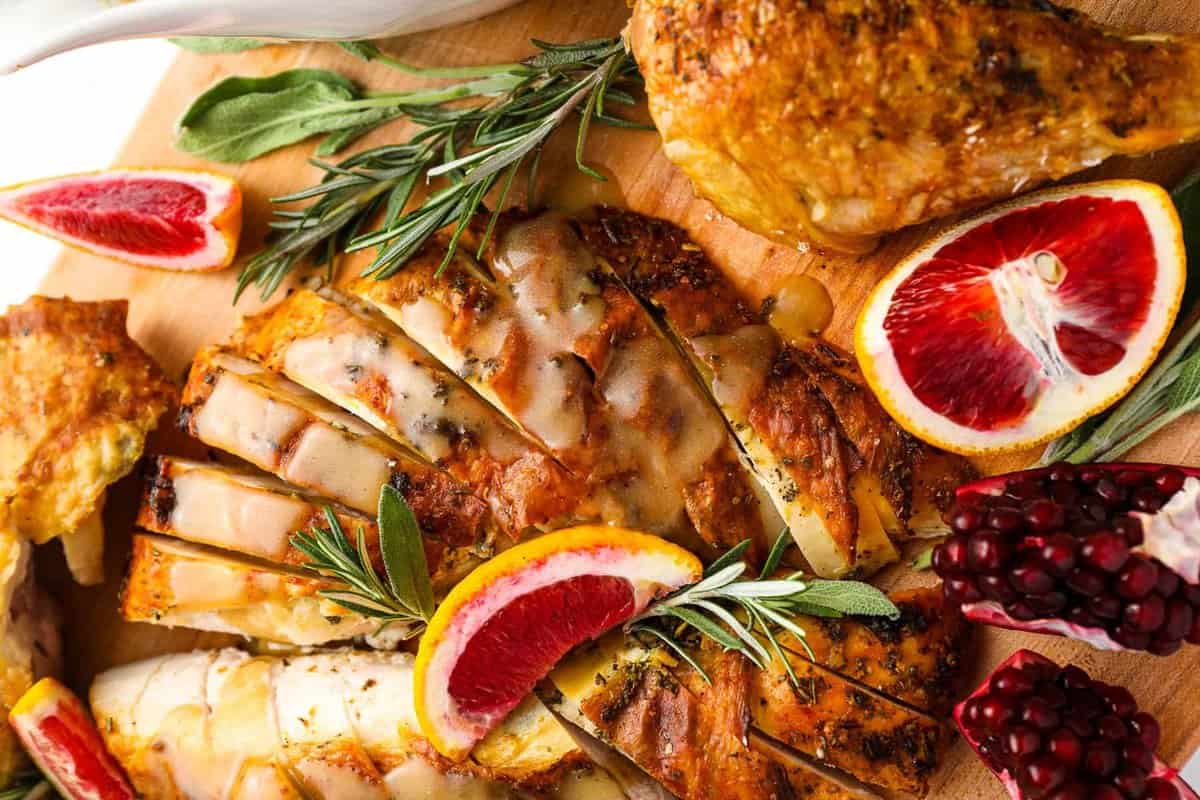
{"x": 474, "y": 149}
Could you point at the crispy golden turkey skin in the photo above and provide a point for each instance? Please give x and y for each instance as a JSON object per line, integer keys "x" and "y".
{"x": 836, "y": 121}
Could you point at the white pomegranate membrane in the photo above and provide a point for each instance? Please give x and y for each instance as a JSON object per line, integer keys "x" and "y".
{"x": 1054, "y": 733}
{"x": 1103, "y": 553}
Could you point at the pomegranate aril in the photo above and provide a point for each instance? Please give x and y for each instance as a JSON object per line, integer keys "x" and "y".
{"x": 1012, "y": 682}
{"x": 1169, "y": 480}
{"x": 1066, "y": 747}
{"x": 1073, "y": 792}
{"x": 1061, "y": 472}
{"x": 1145, "y": 615}
{"x": 1081, "y": 616}
{"x": 1159, "y": 789}
{"x": 1130, "y": 529}
{"x": 1167, "y": 583}
{"x": 1106, "y": 551}
{"x": 1112, "y": 728}
{"x": 987, "y": 550}
{"x": 1086, "y": 582}
{"x": 1044, "y": 516}
{"x": 1146, "y": 728}
{"x": 950, "y": 557}
{"x": 965, "y": 520}
{"x": 1132, "y": 477}
{"x": 1164, "y": 647}
{"x": 1104, "y": 793}
{"x": 1136, "y": 579}
{"x": 1058, "y": 554}
{"x": 1106, "y": 606}
{"x": 1109, "y": 492}
{"x": 1004, "y": 519}
{"x": 1047, "y": 605}
{"x": 1020, "y": 611}
{"x": 1022, "y": 741}
{"x": 994, "y": 713}
{"x": 1137, "y": 754}
{"x": 1179, "y": 619}
{"x": 1130, "y": 782}
{"x": 961, "y": 590}
{"x": 1193, "y": 636}
{"x": 1091, "y": 473}
{"x": 1120, "y": 701}
{"x": 1037, "y": 713}
{"x": 1072, "y": 677}
{"x": 996, "y": 587}
{"x": 1045, "y": 774}
{"x": 1101, "y": 758}
{"x": 1147, "y": 499}
{"x": 1130, "y": 639}
{"x": 1029, "y": 578}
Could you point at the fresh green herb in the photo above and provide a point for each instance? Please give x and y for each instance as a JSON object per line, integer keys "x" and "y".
{"x": 368, "y": 51}
{"x": 745, "y": 615}
{"x": 217, "y": 44}
{"x": 1169, "y": 391}
{"x": 403, "y": 593}
{"x": 240, "y": 118}
{"x": 923, "y": 560}
{"x": 474, "y": 149}
{"x": 29, "y": 785}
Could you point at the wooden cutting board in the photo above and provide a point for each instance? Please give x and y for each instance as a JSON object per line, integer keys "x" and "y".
{"x": 173, "y": 315}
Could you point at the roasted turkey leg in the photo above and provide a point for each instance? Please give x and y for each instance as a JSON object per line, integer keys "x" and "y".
{"x": 836, "y": 121}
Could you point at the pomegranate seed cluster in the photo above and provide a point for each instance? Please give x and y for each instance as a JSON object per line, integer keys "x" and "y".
{"x": 1058, "y": 544}
{"x": 1063, "y": 736}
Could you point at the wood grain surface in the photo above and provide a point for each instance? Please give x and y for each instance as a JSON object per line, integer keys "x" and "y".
{"x": 172, "y": 315}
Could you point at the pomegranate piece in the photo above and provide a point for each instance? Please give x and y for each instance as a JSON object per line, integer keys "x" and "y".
{"x": 1105, "y": 553}
{"x": 1055, "y": 733}
{"x": 62, "y": 740}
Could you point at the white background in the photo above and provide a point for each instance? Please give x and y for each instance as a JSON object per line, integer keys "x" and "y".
{"x": 71, "y": 114}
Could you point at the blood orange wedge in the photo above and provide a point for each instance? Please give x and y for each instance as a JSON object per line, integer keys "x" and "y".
{"x": 170, "y": 219}
{"x": 505, "y": 626}
{"x": 1013, "y": 327}
{"x": 63, "y": 741}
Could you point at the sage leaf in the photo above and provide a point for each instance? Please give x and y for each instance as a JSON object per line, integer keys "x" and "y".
{"x": 361, "y": 49}
{"x": 403, "y": 553}
{"x": 339, "y": 140}
{"x": 241, "y": 86}
{"x": 242, "y": 118}
{"x": 848, "y": 597}
{"x": 216, "y": 44}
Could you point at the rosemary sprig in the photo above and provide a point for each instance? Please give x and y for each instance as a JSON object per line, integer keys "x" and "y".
{"x": 745, "y": 615}
{"x": 1169, "y": 391}
{"x": 474, "y": 149}
{"x": 404, "y": 593}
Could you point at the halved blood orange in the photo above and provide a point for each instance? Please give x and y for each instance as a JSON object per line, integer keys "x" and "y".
{"x": 1014, "y": 326}
{"x": 172, "y": 219}
{"x": 506, "y": 624}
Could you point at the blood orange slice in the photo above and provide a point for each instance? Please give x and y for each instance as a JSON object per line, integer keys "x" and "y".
{"x": 61, "y": 738}
{"x": 1013, "y": 327}
{"x": 166, "y": 218}
{"x": 505, "y": 626}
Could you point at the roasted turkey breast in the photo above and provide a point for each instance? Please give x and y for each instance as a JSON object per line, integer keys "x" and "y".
{"x": 836, "y": 121}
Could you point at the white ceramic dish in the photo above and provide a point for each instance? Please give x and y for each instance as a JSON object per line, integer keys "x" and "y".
{"x": 38, "y": 29}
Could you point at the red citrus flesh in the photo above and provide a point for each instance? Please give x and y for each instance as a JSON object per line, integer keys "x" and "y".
{"x": 547, "y": 622}
{"x": 146, "y": 217}
{"x": 970, "y": 367}
{"x": 62, "y": 740}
